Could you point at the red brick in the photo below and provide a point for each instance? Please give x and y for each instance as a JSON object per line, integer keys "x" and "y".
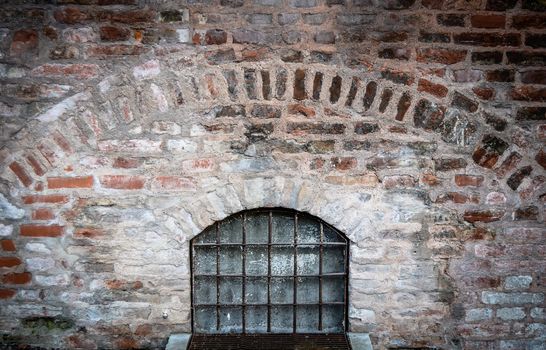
{"x": 172, "y": 183}
{"x": 541, "y": 158}
{"x": 468, "y": 180}
{"x": 298, "y": 108}
{"x": 30, "y": 230}
{"x": 42, "y": 214}
{"x": 48, "y": 198}
{"x": 105, "y": 51}
{"x": 130, "y": 17}
{"x": 529, "y": 21}
{"x": 17, "y": 278}
{"x": 123, "y": 285}
{"x": 437, "y": 90}
{"x": 70, "y": 182}
{"x": 21, "y": 173}
{"x": 36, "y": 166}
{"x": 7, "y": 245}
{"x": 344, "y": 163}
{"x": 488, "y": 21}
{"x": 7, "y": 293}
{"x": 70, "y": 15}
{"x": 455, "y": 197}
{"x": 24, "y": 41}
{"x": 114, "y": 33}
{"x": 484, "y": 93}
{"x": 76, "y": 71}
{"x": 483, "y": 215}
{"x": 62, "y": 142}
{"x": 444, "y": 56}
{"x": 127, "y": 163}
{"x": 534, "y": 77}
{"x": 528, "y": 93}
{"x": 122, "y": 182}
{"x": 9, "y": 261}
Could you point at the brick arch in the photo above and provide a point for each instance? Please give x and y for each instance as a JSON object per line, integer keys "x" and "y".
{"x": 67, "y": 149}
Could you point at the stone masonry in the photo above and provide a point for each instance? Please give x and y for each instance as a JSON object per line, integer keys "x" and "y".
{"x": 416, "y": 127}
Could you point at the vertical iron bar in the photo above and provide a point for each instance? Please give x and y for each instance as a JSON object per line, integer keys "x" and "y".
{"x": 269, "y": 228}
{"x": 295, "y": 272}
{"x": 244, "y": 272}
{"x": 346, "y": 295}
{"x": 320, "y": 276}
{"x": 218, "y": 277}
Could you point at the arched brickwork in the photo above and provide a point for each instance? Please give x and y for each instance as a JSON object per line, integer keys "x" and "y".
{"x": 442, "y": 196}
{"x": 140, "y": 150}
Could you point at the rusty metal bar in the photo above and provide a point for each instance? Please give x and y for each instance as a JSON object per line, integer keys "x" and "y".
{"x": 294, "y": 308}
{"x": 243, "y": 279}
{"x": 320, "y": 277}
{"x": 218, "y": 277}
{"x": 269, "y": 229}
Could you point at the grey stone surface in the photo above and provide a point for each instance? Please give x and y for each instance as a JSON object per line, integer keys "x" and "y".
{"x": 511, "y": 313}
{"x": 9, "y": 211}
{"x": 517, "y": 282}
{"x": 178, "y": 341}
{"x": 360, "y": 341}
{"x": 512, "y": 298}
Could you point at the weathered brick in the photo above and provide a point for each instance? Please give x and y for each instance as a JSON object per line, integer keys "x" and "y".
{"x": 483, "y": 92}
{"x": 315, "y": 128}
{"x": 526, "y": 58}
{"x": 531, "y": 113}
{"x": 42, "y": 214}
{"x": 487, "y": 57}
{"x": 487, "y": 39}
{"x": 462, "y": 180}
{"x": 428, "y": 115}
{"x": 24, "y": 43}
{"x": 529, "y": 21}
{"x": 21, "y": 173}
{"x": 114, "y": 33}
{"x": 533, "y": 5}
{"x": 483, "y": 215}
{"x": 343, "y": 163}
{"x": 508, "y": 164}
{"x": 448, "y": 164}
{"x": 525, "y": 213}
{"x": 7, "y": 245}
{"x": 528, "y": 93}
{"x": 49, "y": 198}
{"x": 77, "y": 71}
{"x": 215, "y": 37}
{"x": 265, "y": 111}
{"x": 500, "y": 75}
{"x": 437, "y": 55}
{"x": 17, "y": 278}
{"x": 7, "y": 293}
{"x": 489, "y": 151}
{"x": 31, "y": 230}
{"x": 451, "y": 20}
{"x": 172, "y": 183}
{"x": 517, "y": 177}
{"x": 437, "y": 90}
{"x": 70, "y": 182}
{"x": 512, "y": 313}
{"x": 488, "y": 21}
{"x": 8, "y": 261}
{"x": 122, "y": 182}
{"x": 533, "y": 77}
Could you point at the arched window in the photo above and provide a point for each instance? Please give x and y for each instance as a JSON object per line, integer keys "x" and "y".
{"x": 269, "y": 271}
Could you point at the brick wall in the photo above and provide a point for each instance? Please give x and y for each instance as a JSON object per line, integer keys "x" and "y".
{"x": 416, "y": 127}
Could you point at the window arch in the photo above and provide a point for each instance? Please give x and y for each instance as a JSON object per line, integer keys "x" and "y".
{"x": 269, "y": 271}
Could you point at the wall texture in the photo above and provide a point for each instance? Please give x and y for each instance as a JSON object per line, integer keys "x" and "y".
{"x": 416, "y": 127}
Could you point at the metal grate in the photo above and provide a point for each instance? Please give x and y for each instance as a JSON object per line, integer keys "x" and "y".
{"x": 269, "y": 271}
{"x": 269, "y": 342}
